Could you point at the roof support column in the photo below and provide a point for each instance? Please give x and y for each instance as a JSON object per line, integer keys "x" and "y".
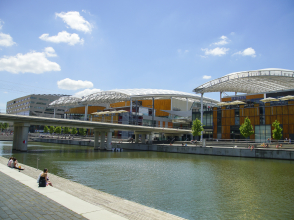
{"x": 153, "y": 124}
{"x": 171, "y": 105}
{"x": 264, "y": 95}
{"x": 86, "y": 113}
{"x": 131, "y": 114}
{"x": 201, "y": 114}
{"x": 54, "y": 113}
{"x": 220, "y": 96}
{"x": 236, "y": 93}
{"x": 187, "y": 106}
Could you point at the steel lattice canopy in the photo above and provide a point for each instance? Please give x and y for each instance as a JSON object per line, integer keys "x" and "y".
{"x": 120, "y": 95}
{"x": 68, "y": 101}
{"x": 256, "y": 81}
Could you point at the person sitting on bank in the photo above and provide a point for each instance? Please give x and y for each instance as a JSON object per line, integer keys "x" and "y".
{"x": 43, "y": 179}
{"x": 10, "y": 161}
{"x": 15, "y": 165}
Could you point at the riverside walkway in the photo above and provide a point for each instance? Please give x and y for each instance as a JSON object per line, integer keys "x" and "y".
{"x": 21, "y": 198}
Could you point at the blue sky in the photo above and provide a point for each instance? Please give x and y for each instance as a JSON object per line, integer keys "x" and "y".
{"x": 78, "y": 47}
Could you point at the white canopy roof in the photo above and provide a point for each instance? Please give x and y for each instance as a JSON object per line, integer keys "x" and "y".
{"x": 255, "y": 81}
{"x": 120, "y": 95}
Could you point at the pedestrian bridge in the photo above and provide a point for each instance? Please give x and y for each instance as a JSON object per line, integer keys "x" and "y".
{"x": 21, "y": 127}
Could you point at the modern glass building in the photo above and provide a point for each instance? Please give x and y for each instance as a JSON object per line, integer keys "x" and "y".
{"x": 266, "y": 95}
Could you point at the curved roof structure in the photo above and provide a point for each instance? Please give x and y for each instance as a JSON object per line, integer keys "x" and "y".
{"x": 120, "y": 95}
{"x": 69, "y": 101}
{"x": 256, "y": 81}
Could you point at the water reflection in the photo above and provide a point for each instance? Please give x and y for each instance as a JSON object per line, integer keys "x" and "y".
{"x": 190, "y": 186}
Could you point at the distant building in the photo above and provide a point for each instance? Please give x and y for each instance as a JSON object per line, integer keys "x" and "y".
{"x": 35, "y": 105}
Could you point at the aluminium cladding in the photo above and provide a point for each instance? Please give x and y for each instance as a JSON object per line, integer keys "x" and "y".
{"x": 256, "y": 81}
{"x": 120, "y": 95}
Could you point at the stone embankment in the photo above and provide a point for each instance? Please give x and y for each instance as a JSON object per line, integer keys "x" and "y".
{"x": 231, "y": 150}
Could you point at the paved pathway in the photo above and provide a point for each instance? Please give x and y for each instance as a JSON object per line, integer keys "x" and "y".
{"x": 88, "y": 202}
{"x": 17, "y": 201}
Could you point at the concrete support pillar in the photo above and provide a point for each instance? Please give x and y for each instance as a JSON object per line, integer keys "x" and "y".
{"x": 96, "y": 139}
{"x": 20, "y": 136}
{"x": 136, "y": 138}
{"x": 150, "y": 138}
{"x": 220, "y": 96}
{"x": 86, "y": 113}
{"x": 109, "y": 139}
{"x": 264, "y": 95}
{"x": 236, "y": 93}
{"x": 131, "y": 105}
{"x": 201, "y": 114}
{"x": 102, "y": 140}
{"x": 111, "y": 118}
{"x": 143, "y": 138}
{"x": 187, "y": 106}
{"x": 54, "y": 113}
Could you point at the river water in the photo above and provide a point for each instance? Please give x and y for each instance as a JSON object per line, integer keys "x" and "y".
{"x": 190, "y": 186}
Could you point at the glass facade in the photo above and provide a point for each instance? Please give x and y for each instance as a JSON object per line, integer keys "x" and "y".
{"x": 262, "y": 133}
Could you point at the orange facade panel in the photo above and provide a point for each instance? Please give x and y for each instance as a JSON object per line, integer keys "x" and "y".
{"x": 291, "y": 129}
{"x": 273, "y": 118}
{"x": 279, "y": 110}
{"x": 161, "y": 104}
{"x": 256, "y": 120}
{"x": 268, "y": 111}
{"x": 226, "y": 99}
{"x": 170, "y": 124}
{"x": 280, "y": 118}
{"x": 267, "y": 119}
{"x": 285, "y": 120}
{"x": 291, "y": 109}
{"x": 81, "y": 110}
{"x": 285, "y": 128}
{"x": 232, "y": 121}
{"x": 291, "y": 119}
{"x": 285, "y": 110}
{"x": 259, "y": 96}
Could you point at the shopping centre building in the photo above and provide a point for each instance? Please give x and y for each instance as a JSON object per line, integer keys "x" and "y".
{"x": 147, "y": 107}
{"x": 264, "y": 96}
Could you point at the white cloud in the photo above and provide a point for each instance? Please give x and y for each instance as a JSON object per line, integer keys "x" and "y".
{"x": 63, "y": 37}
{"x": 206, "y": 77}
{"x": 216, "y": 51}
{"x": 32, "y": 62}
{"x": 224, "y": 40}
{"x": 247, "y": 52}
{"x": 1, "y": 24}
{"x": 70, "y": 84}
{"x": 75, "y": 21}
{"x": 86, "y": 92}
{"x": 6, "y": 40}
{"x": 50, "y": 52}
{"x": 181, "y": 52}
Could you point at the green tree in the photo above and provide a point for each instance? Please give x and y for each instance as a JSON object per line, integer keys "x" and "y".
{"x": 58, "y": 130}
{"x": 51, "y": 130}
{"x": 82, "y": 131}
{"x": 5, "y": 125}
{"x": 46, "y": 129}
{"x": 246, "y": 129}
{"x": 277, "y": 132}
{"x": 1, "y": 126}
{"x": 197, "y": 128}
{"x": 74, "y": 131}
{"x": 66, "y": 130}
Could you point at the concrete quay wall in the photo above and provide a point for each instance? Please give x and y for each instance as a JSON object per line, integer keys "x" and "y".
{"x": 217, "y": 151}
{"x": 282, "y": 154}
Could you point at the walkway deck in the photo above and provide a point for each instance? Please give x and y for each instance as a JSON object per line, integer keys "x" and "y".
{"x": 73, "y": 198}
